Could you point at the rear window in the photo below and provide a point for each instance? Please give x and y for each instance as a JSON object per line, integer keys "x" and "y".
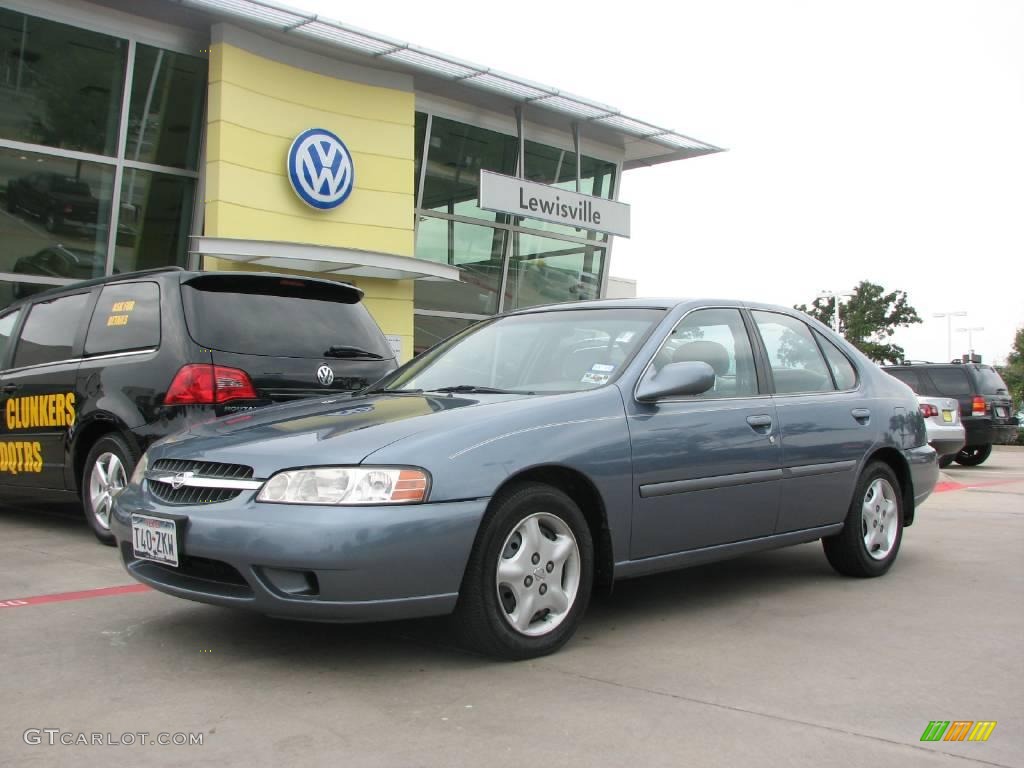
{"x": 990, "y": 382}
{"x": 950, "y": 381}
{"x": 126, "y": 317}
{"x": 278, "y": 317}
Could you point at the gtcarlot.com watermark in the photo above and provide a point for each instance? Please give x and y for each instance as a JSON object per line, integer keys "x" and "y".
{"x": 57, "y": 737}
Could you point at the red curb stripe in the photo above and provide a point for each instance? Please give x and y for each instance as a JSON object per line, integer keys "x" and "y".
{"x": 948, "y": 485}
{"x": 951, "y": 485}
{"x": 60, "y": 597}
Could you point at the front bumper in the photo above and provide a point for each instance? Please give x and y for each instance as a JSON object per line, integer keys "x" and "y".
{"x": 312, "y": 563}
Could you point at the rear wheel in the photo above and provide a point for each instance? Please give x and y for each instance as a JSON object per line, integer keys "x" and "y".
{"x": 870, "y": 539}
{"x": 529, "y": 577}
{"x": 108, "y": 466}
{"x": 973, "y": 455}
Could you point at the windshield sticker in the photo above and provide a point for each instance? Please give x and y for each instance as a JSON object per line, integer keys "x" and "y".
{"x": 594, "y": 378}
{"x": 41, "y": 411}
{"x": 115, "y": 318}
{"x": 19, "y": 456}
{"x": 602, "y": 368}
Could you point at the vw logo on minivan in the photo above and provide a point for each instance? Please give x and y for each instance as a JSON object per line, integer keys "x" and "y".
{"x": 320, "y": 169}
{"x": 325, "y": 375}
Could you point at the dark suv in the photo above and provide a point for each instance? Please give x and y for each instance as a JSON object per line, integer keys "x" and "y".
{"x": 986, "y": 409}
{"x": 92, "y": 373}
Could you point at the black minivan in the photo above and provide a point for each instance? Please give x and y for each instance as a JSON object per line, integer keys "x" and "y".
{"x": 92, "y": 373}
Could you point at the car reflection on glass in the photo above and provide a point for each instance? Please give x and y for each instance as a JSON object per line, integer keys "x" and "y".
{"x": 509, "y": 471}
{"x": 58, "y": 261}
{"x": 55, "y": 199}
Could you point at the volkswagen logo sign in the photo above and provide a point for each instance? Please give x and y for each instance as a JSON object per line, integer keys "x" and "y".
{"x": 320, "y": 169}
{"x": 325, "y": 375}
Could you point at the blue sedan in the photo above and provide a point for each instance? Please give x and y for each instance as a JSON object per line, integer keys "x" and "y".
{"x": 512, "y": 469}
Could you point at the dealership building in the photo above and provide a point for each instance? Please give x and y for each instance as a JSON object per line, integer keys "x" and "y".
{"x": 241, "y": 135}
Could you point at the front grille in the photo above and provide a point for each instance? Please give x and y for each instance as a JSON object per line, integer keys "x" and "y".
{"x": 194, "y": 495}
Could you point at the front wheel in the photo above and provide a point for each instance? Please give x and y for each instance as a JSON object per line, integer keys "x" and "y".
{"x": 108, "y": 466}
{"x": 529, "y": 577}
{"x": 973, "y": 455}
{"x": 945, "y": 461}
{"x": 870, "y": 539}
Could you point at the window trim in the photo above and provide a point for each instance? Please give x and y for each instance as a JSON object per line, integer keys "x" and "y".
{"x": 78, "y": 341}
{"x": 858, "y": 379}
{"x": 114, "y": 353}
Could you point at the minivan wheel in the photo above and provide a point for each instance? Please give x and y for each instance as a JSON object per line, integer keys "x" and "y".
{"x": 973, "y": 455}
{"x": 108, "y": 466}
{"x": 870, "y": 539}
{"x": 529, "y": 576}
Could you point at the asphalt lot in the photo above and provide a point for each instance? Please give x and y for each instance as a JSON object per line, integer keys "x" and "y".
{"x": 767, "y": 660}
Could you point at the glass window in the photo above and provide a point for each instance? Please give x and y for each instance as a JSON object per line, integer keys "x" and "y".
{"x": 279, "y": 317}
{"x": 7, "y": 323}
{"x": 716, "y": 337}
{"x": 910, "y": 378}
{"x": 796, "y": 361}
{"x": 989, "y": 381}
{"x": 126, "y": 317}
{"x": 430, "y": 330}
{"x": 950, "y": 382}
{"x": 50, "y": 330}
{"x": 165, "y": 113}
{"x": 557, "y": 168}
{"x": 455, "y": 157}
{"x": 60, "y": 85}
{"x": 59, "y": 213}
{"x": 11, "y": 291}
{"x": 546, "y": 271}
{"x": 555, "y": 351}
{"x": 154, "y": 222}
{"x": 477, "y": 251}
{"x": 842, "y": 369}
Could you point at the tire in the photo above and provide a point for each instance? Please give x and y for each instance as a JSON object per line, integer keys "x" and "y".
{"x": 945, "y": 461}
{"x": 52, "y": 222}
{"x": 541, "y": 523}
{"x": 111, "y": 453}
{"x": 878, "y": 499}
{"x": 973, "y": 455}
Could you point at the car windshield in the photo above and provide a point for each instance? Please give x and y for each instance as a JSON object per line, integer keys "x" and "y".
{"x": 554, "y": 351}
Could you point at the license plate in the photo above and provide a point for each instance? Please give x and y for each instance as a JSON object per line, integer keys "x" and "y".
{"x": 156, "y": 539}
{"x": 947, "y": 416}
{"x": 1000, "y": 412}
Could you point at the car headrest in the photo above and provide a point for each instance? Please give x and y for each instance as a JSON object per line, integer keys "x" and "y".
{"x": 710, "y": 352}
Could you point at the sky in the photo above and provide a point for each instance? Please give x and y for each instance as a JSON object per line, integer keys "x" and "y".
{"x": 879, "y": 141}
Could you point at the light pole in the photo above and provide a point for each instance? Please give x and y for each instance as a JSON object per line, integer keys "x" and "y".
{"x": 949, "y": 330}
{"x": 835, "y": 296}
{"x": 970, "y": 337}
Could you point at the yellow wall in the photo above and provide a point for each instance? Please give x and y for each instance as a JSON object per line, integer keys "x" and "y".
{"x": 257, "y": 106}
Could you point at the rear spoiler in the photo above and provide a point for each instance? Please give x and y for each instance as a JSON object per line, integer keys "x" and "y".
{"x": 275, "y": 284}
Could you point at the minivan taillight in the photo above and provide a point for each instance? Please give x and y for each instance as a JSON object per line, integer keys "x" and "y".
{"x": 978, "y": 406}
{"x": 205, "y": 384}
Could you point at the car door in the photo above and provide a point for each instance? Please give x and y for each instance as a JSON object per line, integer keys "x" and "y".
{"x": 706, "y": 468}
{"x": 825, "y": 423}
{"x": 38, "y": 392}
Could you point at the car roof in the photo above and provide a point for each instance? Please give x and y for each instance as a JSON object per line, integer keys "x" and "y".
{"x": 654, "y": 303}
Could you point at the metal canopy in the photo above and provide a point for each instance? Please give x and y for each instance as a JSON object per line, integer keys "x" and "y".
{"x": 323, "y": 259}
{"x": 644, "y": 143}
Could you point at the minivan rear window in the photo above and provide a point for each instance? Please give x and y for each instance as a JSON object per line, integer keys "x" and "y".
{"x": 278, "y": 317}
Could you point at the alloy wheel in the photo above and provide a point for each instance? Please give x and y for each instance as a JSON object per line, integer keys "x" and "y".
{"x": 106, "y": 479}
{"x": 879, "y": 523}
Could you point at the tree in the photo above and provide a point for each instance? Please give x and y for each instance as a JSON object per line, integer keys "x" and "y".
{"x": 1013, "y": 371}
{"x": 869, "y": 319}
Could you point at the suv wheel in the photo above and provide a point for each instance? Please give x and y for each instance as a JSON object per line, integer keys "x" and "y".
{"x": 529, "y": 577}
{"x": 973, "y": 455}
{"x": 870, "y": 539}
{"x": 107, "y": 468}
{"x": 52, "y": 222}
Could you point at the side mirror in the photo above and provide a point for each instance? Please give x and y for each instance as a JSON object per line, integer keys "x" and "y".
{"x": 676, "y": 379}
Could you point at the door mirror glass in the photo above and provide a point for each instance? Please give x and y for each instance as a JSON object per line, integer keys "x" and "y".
{"x": 676, "y": 380}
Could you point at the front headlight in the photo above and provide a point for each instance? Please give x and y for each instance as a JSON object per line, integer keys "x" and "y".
{"x": 346, "y": 485}
{"x": 140, "y": 469}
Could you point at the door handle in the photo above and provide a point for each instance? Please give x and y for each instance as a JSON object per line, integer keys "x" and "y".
{"x": 760, "y": 423}
{"x": 861, "y": 415}
{"x": 9, "y": 389}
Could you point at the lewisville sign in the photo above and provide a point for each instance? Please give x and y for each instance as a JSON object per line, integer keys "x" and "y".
{"x": 507, "y": 194}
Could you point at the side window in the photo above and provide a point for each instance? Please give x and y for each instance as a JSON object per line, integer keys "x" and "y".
{"x": 50, "y": 330}
{"x": 950, "y": 382}
{"x": 127, "y": 317}
{"x": 842, "y": 369}
{"x": 7, "y": 323}
{"x": 796, "y": 361}
{"x": 719, "y": 338}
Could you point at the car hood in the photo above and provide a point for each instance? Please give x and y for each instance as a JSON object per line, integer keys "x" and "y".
{"x": 333, "y": 430}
